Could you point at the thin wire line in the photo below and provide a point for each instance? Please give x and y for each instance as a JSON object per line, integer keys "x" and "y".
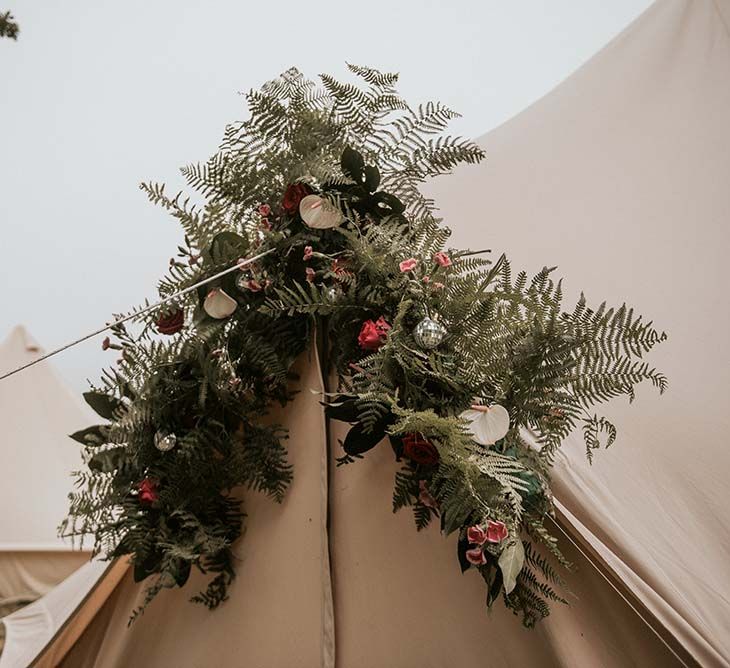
{"x": 618, "y": 591}
{"x": 238, "y": 265}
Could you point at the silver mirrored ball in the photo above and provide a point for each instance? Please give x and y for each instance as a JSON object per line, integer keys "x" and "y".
{"x": 429, "y": 333}
{"x": 165, "y": 441}
{"x": 242, "y": 279}
{"x": 332, "y": 293}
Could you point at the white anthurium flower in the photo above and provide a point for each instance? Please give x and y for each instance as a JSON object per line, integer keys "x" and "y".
{"x": 218, "y": 304}
{"x": 487, "y": 423}
{"x": 319, "y": 213}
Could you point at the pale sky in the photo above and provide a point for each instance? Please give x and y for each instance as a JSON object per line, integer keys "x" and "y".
{"x": 98, "y": 96}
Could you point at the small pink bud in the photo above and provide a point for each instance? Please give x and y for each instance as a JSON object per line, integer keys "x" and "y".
{"x": 310, "y": 274}
{"x": 442, "y": 259}
{"x": 476, "y": 556}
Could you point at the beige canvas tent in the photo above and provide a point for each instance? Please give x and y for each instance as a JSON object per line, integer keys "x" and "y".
{"x": 619, "y": 176}
{"x": 37, "y": 412}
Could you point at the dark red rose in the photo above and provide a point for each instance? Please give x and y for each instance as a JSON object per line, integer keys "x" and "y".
{"x": 419, "y": 450}
{"x": 373, "y": 334}
{"x": 148, "y": 491}
{"x": 295, "y": 193}
{"x": 171, "y": 323}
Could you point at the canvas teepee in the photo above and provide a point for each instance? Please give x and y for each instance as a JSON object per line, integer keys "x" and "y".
{"x": 37, "y": 412}
{"x": 620, "y": 176}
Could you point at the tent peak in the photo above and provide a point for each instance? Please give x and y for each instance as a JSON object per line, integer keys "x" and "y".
{"x": 20, "y": 340}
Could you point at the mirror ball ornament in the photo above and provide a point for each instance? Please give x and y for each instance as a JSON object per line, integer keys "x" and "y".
{"x": 165, "y": 441}
{"x": 429, "y": 333}
{"x": 242, "y": 279}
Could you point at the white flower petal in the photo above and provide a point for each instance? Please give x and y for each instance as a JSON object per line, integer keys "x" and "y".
{"x": 488, "y": 426}
{"x": 219, "y": 305}
{"x": 319, "y": 213}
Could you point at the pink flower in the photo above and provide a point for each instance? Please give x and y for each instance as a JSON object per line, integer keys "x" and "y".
{"x": 310, "y": 274}
{"x": 253, "y": 285}
{"x": 308, "y": 252}
{"x": 264, "y": 210}
{"x": 476, "y": 556}
{"x": 106, "y": 344}
{"x": 408, "y": 265}
{"x": 265, "y": 224}
{"x": 426, "y": 278}
{"x": 442, "y": 259}
{"x": 438, "y": 286}
{"x": 425, "y": 497}
{"x": 496, "y": 531}
{"x": 476, "y": 535}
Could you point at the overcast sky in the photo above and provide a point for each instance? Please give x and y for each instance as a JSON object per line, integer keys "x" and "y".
{"x": 98, "y": 96}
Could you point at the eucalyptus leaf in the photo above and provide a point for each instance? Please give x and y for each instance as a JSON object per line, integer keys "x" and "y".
{"x": 510, "y": 563}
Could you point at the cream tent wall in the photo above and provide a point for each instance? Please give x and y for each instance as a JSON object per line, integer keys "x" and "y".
{"x": 37, "y": 412}
{"x": 620, "y": 177}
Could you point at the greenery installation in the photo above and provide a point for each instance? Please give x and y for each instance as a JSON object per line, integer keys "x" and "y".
{"x": 444, "y": 354}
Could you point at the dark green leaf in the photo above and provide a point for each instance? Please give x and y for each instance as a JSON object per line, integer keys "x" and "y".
{"x": 357, "y": 441}
{"x": 352, "y": 164}
{"x": 108, "y": 461}
{"x": 182, "y": 572}
{"x": 227, "y": 247}
{"x": 90, "y": 436}
{"x": 461, "y": 547}
{"x": 495, "y": 588}
{"x": 103, "y": 404}
{"x": 372, "y": 178}
{"x": 343, "y": 409}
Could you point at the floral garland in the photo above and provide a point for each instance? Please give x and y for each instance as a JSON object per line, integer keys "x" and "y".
{"x": 440, "y": 352}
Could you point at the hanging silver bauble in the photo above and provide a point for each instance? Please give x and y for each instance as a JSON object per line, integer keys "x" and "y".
{"x": 429, "y": 333}
{"x": 332, "y": 293}
{"x": 165, "y": 441}
{"x": 242, "y": 280}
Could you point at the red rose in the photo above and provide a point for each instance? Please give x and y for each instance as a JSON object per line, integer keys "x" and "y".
{"x": 419, "y": 450}
{"x": 294, "y": 194}
{"x": 373, "y": 334}
{"x": 171, "y": 323}
{"x": 148, "y": 491}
